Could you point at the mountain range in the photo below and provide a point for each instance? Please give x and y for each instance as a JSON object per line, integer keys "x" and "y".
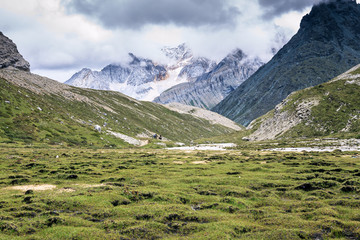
{"x": 213, "y": 86}
{"x": 142, "y": 78}
{"x": 326, "y": 45}
{"x": 185, "y": 79}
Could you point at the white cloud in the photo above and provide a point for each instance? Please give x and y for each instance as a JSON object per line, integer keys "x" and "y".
{"x": 57, "y": 43}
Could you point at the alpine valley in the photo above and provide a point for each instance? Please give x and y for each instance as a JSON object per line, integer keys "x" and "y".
{"x": 36, "y": 109}
{"x": 132, "y": 151}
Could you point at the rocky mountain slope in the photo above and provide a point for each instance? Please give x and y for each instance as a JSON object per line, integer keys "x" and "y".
{"x": 9, "y": 55}
{"x": 35, "y": 109}
{"x": 142, "y": 78}
{"x": 329, "y": 109}
{"x": 327, "y": 44}
{"x": 213, "y": 117}
{"x": 212, "y": 87}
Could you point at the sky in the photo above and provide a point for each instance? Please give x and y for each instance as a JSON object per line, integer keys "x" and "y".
{"x": 60, "y": 37}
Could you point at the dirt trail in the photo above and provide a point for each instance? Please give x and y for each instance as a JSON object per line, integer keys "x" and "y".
{"x": 41, "y": 187}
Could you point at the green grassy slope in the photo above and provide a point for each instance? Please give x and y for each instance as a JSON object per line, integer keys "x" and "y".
{"x": 34, "y": 109}
{"x": 335, "y": 114}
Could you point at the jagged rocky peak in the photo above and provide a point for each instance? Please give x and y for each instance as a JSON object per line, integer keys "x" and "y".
{"x": 178, "y": 53}
{"x": 10, "y": 56}
{"x": 237, "y": 59}
{"x": 238, "y": 53}
{"x": 196, "y": 68}
{"x": 330, "y": 20}
{"x": 235, "y": 56}
{"x": 209, "y": 88}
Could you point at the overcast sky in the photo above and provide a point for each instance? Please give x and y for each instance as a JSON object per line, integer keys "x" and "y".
{"x": 60, "y": 37}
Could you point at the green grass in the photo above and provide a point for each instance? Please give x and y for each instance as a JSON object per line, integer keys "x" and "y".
{"x": 27, "y": 117}
{"x": 355, "y": 72}
{"x": 339, "y": 105}
{"x": 336, "y": 115}
{"x": 159, "y": 194}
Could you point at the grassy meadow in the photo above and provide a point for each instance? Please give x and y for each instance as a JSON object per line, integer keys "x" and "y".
{"x": 138, "y": 193}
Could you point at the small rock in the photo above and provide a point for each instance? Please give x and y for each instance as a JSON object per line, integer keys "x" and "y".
{"x": 97, "y": 128}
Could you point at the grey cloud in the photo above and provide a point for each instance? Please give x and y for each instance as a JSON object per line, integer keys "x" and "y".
{"x": 131, "y": 14}
{"x": 275, "y": 8}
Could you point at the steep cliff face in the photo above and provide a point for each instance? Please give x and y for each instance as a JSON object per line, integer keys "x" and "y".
{"x": 212, "y": 87}
{"x": 327, "y": 44}
{"x": 9, "y": 55}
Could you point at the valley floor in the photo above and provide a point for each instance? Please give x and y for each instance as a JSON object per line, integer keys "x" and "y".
{"x": 170, "y": 194}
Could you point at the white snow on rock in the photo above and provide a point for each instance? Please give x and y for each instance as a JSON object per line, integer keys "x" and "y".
{"x": 142, "y": 78}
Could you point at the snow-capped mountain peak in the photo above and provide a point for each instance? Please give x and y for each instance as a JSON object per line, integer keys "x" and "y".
{"x": 179, "y": 53}
{"x": 143, "y": 79}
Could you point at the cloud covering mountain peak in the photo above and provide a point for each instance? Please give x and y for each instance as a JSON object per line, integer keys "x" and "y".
{"x": 129, "y": 14}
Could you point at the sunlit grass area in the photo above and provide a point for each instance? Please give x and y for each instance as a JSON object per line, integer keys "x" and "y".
{"x": 162, "y": 194}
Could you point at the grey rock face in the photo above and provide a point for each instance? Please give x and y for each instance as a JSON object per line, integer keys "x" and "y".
{"x": 9, "y": 55}
{"x": 196, "y": 68}
{"x": 212, "y": 87}
{"x": 178, "y": 53}
{"x": 273, "y": 125}
{"x": 327, "y": 44}
{"x": 143, "y": 79}
{"x": 138, "y": 71}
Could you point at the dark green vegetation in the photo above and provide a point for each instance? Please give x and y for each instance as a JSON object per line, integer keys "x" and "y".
{"x": 38, "y": 110}
{"x": 326, "y": 45}
{"x": 139, "y": 194}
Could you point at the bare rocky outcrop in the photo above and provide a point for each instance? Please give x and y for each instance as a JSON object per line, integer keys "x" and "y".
{"x": 278, "y": 122}
{"x": 212, "y": 117}
{"x": 10, "y": 56}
